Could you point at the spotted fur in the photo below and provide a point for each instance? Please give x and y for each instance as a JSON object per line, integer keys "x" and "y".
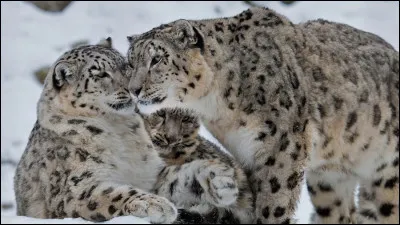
{"x": 199, "y": 177}
{"x": 78, "y": 160}
{"x": 316, "y": 97}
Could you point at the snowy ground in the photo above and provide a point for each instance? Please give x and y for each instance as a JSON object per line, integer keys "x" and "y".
{"x": 31, "y": 39}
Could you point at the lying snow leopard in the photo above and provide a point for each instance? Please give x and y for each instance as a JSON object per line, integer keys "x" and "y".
{"x": 316, "y": 97}
{"x": 78, "y": 161}
{"x": 199, "y": 176}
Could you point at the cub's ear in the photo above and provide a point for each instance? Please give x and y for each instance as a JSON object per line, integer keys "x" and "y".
{"x": 132, "y": 39}
{"x": 187, "y": 36}
{"x": 64, "y": 73}
{"x": 107, "y": 42}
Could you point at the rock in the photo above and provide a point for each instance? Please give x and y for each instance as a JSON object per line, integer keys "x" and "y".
{"x": 51, "y": 6}
{"x": 41, "y": 73}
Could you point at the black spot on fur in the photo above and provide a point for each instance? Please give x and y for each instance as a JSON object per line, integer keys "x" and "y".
{"x": 54, "y": 190}
{"x": 294, "y": 156}
{"x": 94, "y": 130}
{"x": 271, "y": 127}
{"x": 293, "y": 180}
{"x": 112, "y": 209}
{"x": 196, "y": 188}
{"x": 381, "y": 167}
{"x": 279, "y": 211}
{"x": 76, "y": 121}
{"x": 132, "y": 192}
{"x": 117, "y": 198}
{"x": 86, "y": 84}
{"x": 108, "y": 191}
{"x": 261, "y": 136}
{"x": 69, "y": 133}
{"x": 249, "y": 109}
{"x": 376, "y": 116}
{"x": 338, "y": 202}
{"x": 378, "y": 182}
{"x": 92, "y": 205}
{"x": 311, "y": 190}
{"x": 75, "y": 214}
{"x": 270, "y": 161}
{"x": 275, "y": 186}
{"x": 323, "y": 211}
{"x": 386, "y": 209}
{"x": 324, "y": 187}
{"x": 284, "y": 142}
{"x": 98, "y": 217}
{"x": 351, "y": 120}
{"x": 337, "y": 102}
{"x": 219, "y": 27}
{"x": 385, "y": 128}
{"x": 265, "y": 212}
{"x": 83, "y": 154}
{"x": 391, "y": 182}
{"x": 172, "y": 187}
{"x": 342, "y": 219}
{"x": 396, "y": 162}
{"x": 89, "y": 193}
{"x": 284, "y": 100}
{"x": 192, "y": 85}
{"x": 321, "y": 110}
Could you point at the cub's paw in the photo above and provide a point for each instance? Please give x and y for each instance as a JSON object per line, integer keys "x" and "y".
{"x": 220, "y": 184}
{"x": 157, "y": 209}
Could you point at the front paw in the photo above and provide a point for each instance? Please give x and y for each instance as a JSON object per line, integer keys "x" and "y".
{"x": 221, "y": 185}
{"x": 157, "y": 209}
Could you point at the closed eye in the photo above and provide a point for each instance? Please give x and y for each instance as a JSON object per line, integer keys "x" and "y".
{"x": 156, "y": 59}
{"x": 160, "y": 140}
{"x": 103, "y": 74}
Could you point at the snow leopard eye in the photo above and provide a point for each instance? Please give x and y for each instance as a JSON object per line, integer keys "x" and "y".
{"x": 161, "y": 113}
{"x": 156, "y": 59}
{"x": 103, "y": 74}
{"x": 186, "y": 119}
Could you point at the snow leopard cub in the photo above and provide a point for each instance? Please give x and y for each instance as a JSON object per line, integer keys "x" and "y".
{"x": 199, "y": 177}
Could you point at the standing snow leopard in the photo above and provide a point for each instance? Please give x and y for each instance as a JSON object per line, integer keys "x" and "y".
{"x": 199, "y": 177}
{"x": 316, "y": 97}
{"x": 89, "y": 154}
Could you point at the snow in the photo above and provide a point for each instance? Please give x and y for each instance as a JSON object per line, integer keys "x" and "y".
{"x": 31, "y": 38}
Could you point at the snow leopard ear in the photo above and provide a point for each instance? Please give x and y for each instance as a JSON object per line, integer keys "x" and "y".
{"x": 107, "y": 42}
{"x": 64, "y": 73}
{"x": 133, "y": 38}
{"x": 187, "y": 36}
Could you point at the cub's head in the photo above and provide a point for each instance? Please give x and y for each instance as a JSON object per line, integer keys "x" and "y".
{"x": 169, "y": 68}
{"x": 88, "y": 81}
{"x": 172, "y": 130}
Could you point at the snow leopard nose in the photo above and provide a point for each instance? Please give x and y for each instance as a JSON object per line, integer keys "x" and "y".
{"x": 136, "y": 92}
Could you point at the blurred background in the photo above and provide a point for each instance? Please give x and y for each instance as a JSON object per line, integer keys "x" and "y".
{"x": 35, "y": 33}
